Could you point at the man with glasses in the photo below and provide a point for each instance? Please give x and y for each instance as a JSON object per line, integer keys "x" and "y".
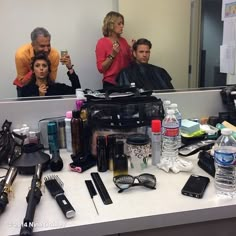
{"x": 40, "y": 42}
{"x": 143, "y": 74}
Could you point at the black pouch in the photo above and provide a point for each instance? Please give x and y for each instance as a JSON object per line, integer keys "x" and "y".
{"x": 124, "y": 108}
{"x": 206, "y": 162}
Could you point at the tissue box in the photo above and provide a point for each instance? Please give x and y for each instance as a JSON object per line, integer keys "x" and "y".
{"x": 189, "y": 127}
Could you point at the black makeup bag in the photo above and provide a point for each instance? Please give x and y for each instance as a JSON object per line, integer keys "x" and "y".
{"x": 122, "y": 108}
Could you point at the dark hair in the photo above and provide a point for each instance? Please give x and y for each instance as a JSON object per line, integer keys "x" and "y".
{"x": 142, "y": 41}
{"x": 108, "y": 22}
{"x": 41, "y": 56}
{"x": 39, "y": 31}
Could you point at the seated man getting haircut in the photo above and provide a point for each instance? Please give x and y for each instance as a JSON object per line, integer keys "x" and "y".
{"x": 144, "y": 75}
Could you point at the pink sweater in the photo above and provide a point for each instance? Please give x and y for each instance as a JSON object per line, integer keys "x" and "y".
{"x": 122, "y": 59}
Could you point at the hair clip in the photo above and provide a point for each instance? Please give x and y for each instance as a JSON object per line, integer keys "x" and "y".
{"x": 75, "y": 168}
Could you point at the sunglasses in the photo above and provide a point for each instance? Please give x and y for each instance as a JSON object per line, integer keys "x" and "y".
{"x": 124, "y": 182}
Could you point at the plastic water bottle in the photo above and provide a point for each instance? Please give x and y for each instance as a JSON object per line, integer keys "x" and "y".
{"x": 170, "y": 131}
{"x": 178, "y": 116}
{"x": 166, "y": 104}
{"x": 225, "y": 164}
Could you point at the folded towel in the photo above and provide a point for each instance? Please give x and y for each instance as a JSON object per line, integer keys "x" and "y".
{"x": 189, "y": 127}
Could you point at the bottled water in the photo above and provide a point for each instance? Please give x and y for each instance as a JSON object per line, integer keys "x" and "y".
{"x": 166, "y": 105}
{"x": 178, "y": 116}
{"x": 225, "y": 164}
{"x": 170, "y": 131}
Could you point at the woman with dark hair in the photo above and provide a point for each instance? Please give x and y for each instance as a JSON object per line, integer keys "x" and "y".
{"x": 42, "y": 85}
{"x": 112, "y": 51}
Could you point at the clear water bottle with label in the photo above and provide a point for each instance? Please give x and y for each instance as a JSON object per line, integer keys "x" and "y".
{"x": 170, "y": 131}
{"x": 225, "y": 164}
{"x": 178, "y": 116}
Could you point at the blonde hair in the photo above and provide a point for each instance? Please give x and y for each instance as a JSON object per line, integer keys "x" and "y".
{"x": 108, "y": 22}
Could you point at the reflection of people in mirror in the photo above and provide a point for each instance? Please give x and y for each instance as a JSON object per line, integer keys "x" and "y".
{"x": 41, "y": 83}
{"x": 40, "y": 42}
{"x": 112, "y": 51}
{"x": 143, "y": 74}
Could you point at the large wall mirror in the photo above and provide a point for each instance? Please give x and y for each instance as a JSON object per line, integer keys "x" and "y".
{"x": 75, "y": 25}
{"x": 186, "y": 37}
{"x": 177, "y": 29}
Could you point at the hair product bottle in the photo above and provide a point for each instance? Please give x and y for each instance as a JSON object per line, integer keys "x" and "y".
{"x": 75, "y": 132}
{"x": 52, "y": 137}
{"x": 68, "y": 131}
{"x": 120, "y": 163}
{"x": 61, "y": 133}
{"x": 102, "y": 162}
{"x": 111, "y": 150}
{"x": 85, "y": 132}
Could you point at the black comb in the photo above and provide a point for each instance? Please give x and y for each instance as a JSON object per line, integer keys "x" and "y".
{"x": 54, "y": 185}
{"x": 92, "y": 191}
{"x": 101, "y": 188}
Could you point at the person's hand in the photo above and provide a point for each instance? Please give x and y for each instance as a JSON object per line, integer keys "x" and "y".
{"x": 66, "y": 61}
{"x": 115, "y": 48}
{"x": 43, "y": 89}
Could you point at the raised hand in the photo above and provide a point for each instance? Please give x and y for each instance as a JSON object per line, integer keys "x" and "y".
{"x": 115, "y": 48}
{"x": 43, "y": 89}
{"x": 66, "y": 61}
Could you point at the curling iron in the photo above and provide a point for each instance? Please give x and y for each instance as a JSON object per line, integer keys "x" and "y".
{"x": 5, "y": 187}
{"x": 33, "y": 198}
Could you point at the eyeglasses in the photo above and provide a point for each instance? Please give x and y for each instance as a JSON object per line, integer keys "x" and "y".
{"x": 124, "y": 182}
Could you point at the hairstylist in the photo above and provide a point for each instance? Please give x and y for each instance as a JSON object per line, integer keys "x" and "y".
{"x": 113, "y": 53}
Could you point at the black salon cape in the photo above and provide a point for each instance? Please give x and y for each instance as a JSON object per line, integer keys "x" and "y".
{"x": 145, "y": 76}
{"x": 31, "y": 89}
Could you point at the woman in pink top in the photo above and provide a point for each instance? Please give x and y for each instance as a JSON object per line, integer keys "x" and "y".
{"x": 112, "y": 51}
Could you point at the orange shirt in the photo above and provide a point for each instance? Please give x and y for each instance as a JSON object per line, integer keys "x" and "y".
{"x": 23, "y": 59}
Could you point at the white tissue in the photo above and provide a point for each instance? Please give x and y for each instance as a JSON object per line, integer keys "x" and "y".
{"x": 175, "y": 166}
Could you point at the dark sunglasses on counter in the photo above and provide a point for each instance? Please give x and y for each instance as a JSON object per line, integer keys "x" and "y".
{"x": 124, "y": 182}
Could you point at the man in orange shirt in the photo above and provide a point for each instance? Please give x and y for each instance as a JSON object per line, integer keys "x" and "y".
{"x": 40, "y": 42}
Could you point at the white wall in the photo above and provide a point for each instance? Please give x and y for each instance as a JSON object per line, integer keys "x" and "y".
{"x": 75, "y": 25}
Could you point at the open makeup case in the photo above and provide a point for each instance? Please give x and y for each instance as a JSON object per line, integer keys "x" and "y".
{"x": 122, "y": 112}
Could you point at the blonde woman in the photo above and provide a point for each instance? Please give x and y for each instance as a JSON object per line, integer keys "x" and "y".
{"x": 113, "y": 53}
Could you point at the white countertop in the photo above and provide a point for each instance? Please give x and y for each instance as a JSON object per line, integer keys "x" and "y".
{"x": 138, "y": 208}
